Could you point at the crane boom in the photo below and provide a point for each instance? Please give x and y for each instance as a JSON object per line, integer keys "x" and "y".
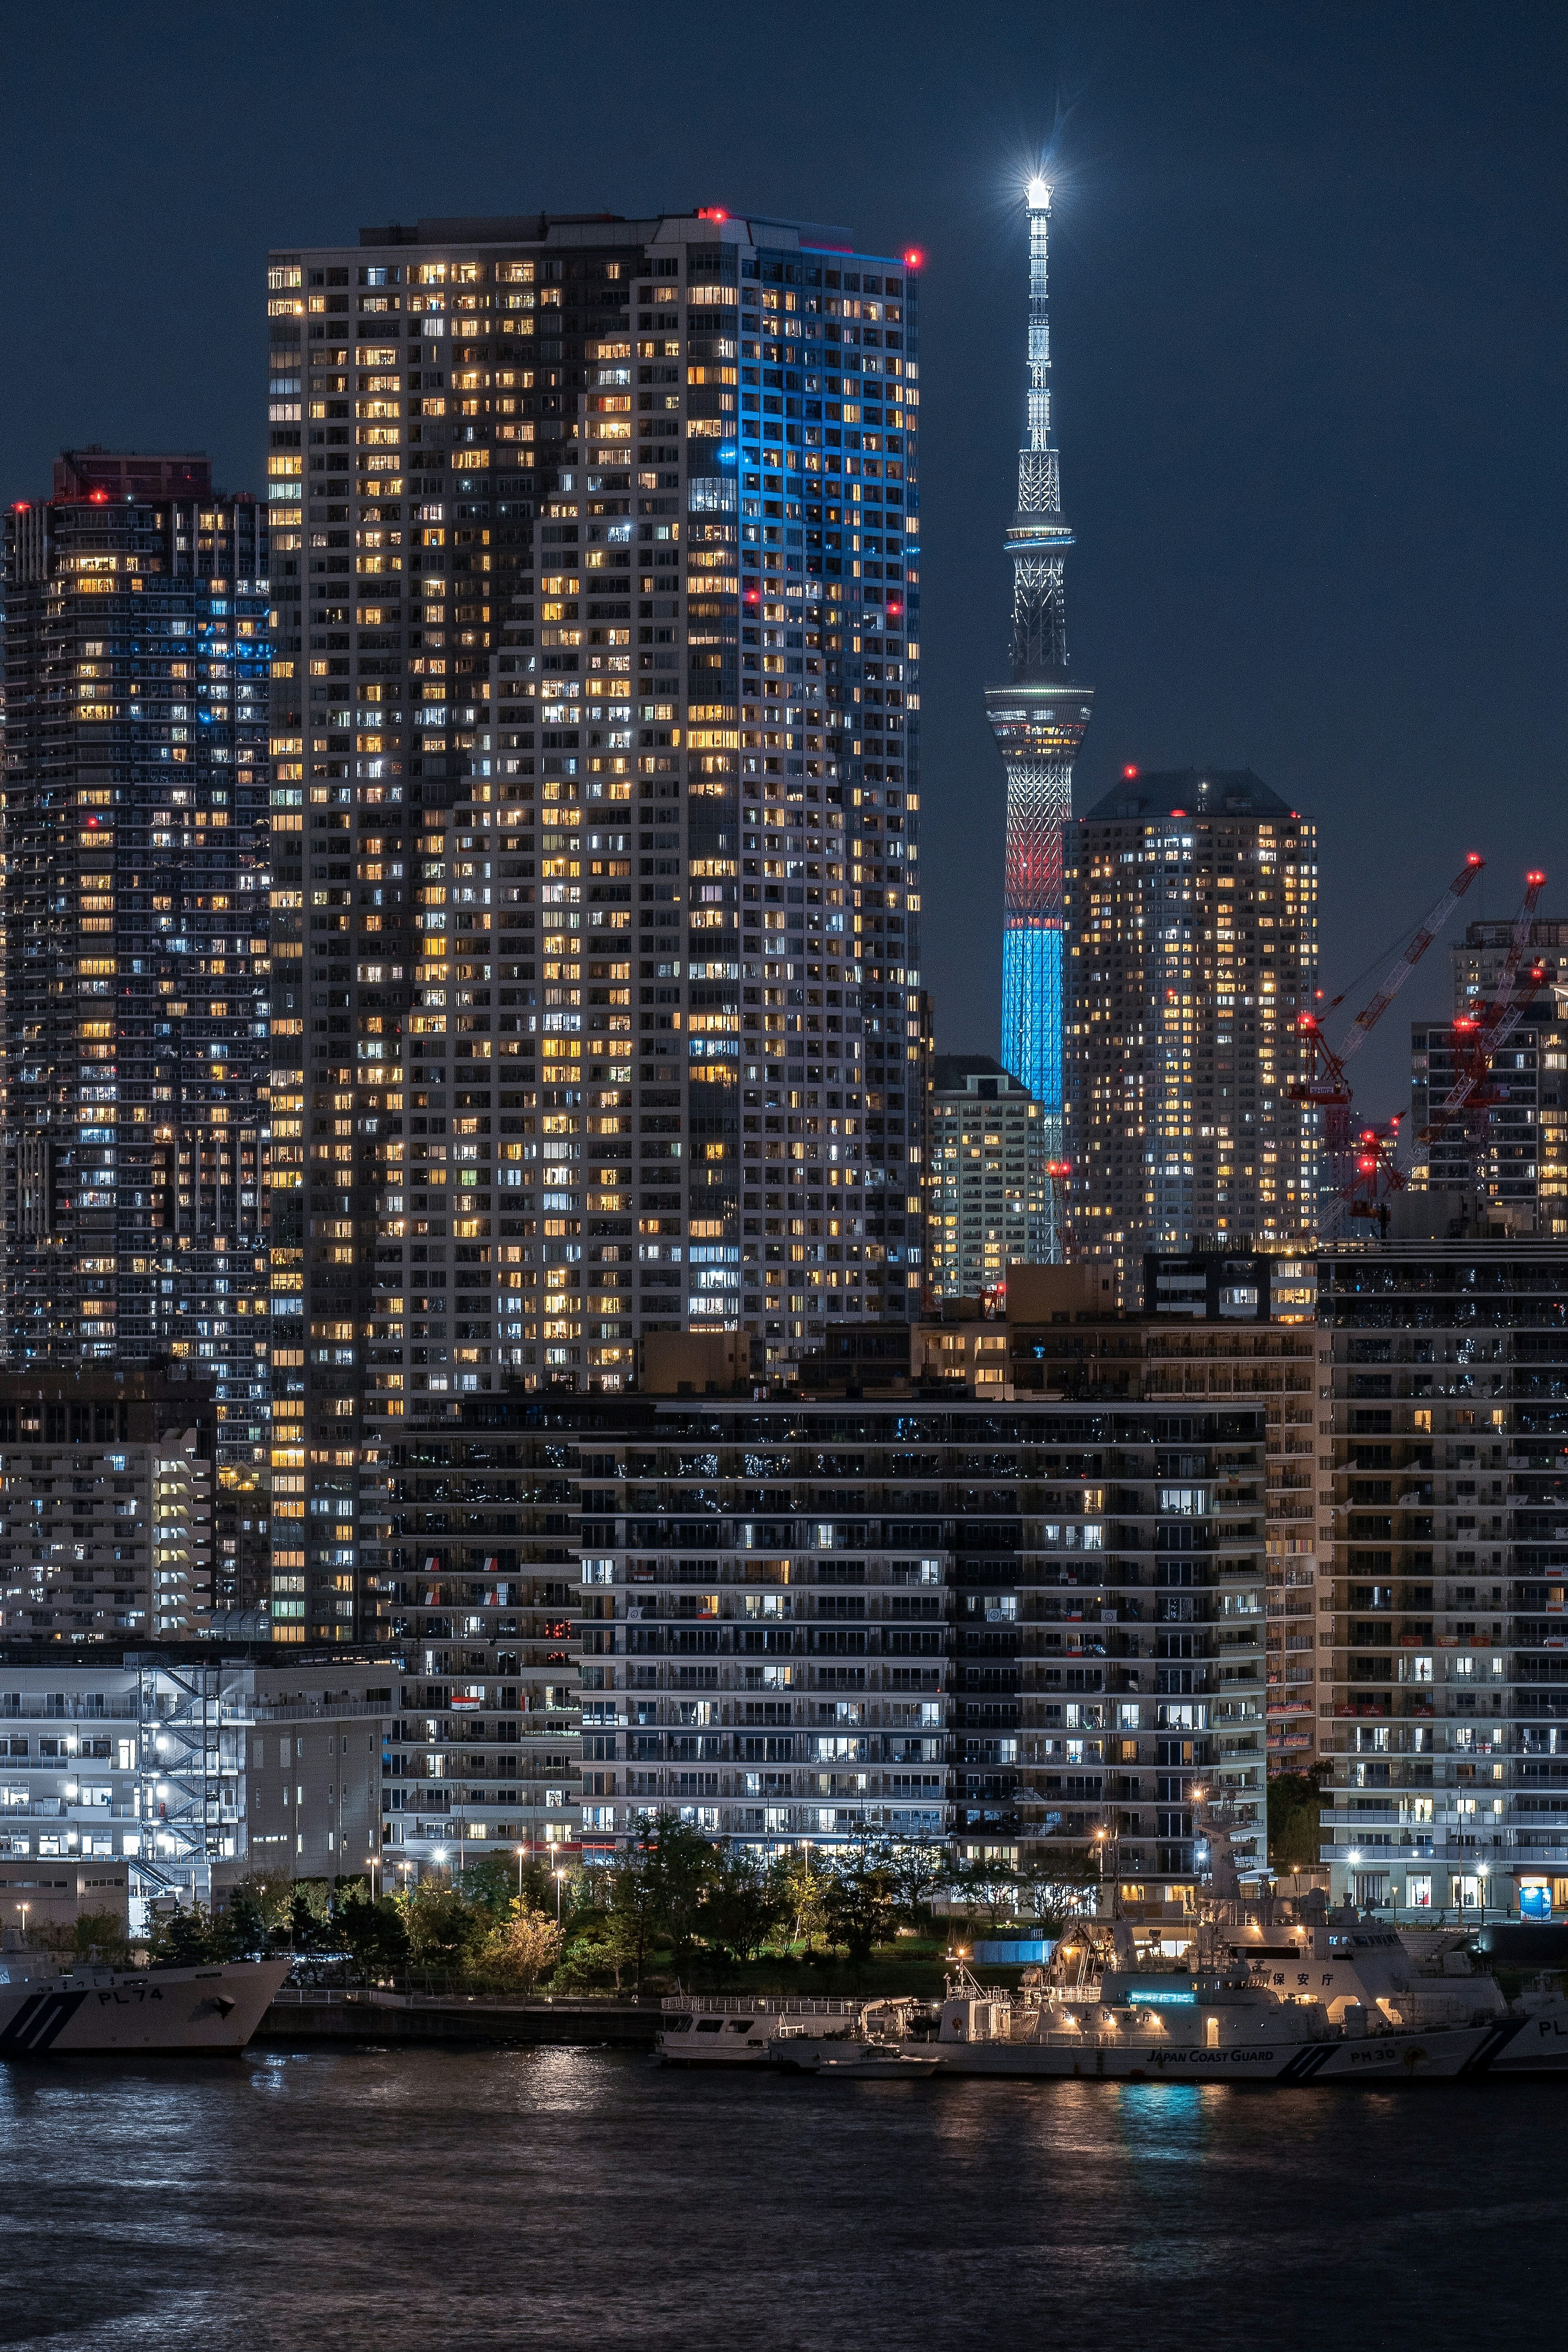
{"x": 1499, "y": 1021}
{"x": 1326, "y": 1083}
{"x": 1366, "y": 1020}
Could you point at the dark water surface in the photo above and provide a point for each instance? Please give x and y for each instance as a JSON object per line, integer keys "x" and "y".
{"x": 410, "y": 2200}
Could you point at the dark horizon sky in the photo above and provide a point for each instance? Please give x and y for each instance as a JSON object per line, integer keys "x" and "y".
{"x": 1308, "y": 279}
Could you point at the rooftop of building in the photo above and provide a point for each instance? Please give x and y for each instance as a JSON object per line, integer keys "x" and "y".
{"x": 1188, "y": 791}
{"x": 129, "y": 473}
{"x": 972, "y": 1074}
{"x": 713, "y": 224}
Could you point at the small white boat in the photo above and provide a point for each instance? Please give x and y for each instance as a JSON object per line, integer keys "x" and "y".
{"x": 869, "y": 2061}
{"x": 853, "y": 2038}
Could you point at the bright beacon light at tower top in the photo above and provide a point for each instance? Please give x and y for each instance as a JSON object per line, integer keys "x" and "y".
{"x": 1039, "y": 194}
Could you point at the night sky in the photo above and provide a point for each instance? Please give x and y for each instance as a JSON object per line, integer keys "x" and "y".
{"x": 1307, "y": 282}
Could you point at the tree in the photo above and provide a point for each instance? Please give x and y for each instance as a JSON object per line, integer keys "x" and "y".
{"x": 739, "y": 1906}
{"x": 681, "y": 1865}
{"x": 914, "y": 1872}
{"x": 375, "y": 1934}
{"x": 860, "y": 1901}
{"x": 102, "y": 1932}
{"x": 634, "y": 1917}
{"x": 491, "y": 1885}
{"x": 986, "y": 1884}
{"x": 309, "y": 1916}
{"x": 519, "y": 1949}
{"x": 605, "y": 1946}
{"x": 801, "y": 1889}
{"x": 1055, "y": 1889}
{"x": 1294, "y": 1831}
{"x": 183, "y": 1939}
{"x": 444, "y": 1931}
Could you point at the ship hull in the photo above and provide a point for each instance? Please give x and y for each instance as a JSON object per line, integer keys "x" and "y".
{"x": 206, "y": 2010}
{"x": 1509, "y": 2045}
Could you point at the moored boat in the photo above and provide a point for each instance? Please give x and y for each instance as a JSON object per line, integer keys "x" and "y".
{"x": 91, "y": 2011}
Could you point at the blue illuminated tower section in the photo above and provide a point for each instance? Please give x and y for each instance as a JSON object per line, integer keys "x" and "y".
{"x": 1039, "y": 721}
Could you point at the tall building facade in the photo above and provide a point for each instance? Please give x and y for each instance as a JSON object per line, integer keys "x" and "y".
{"x": 1509, "y": 1144}
{"x": 1443, "y": 1563}
{"x": 1191, "y": 919}
{"x": 987, "y": 1185}
{"x": 134, "y": 927}
{"x": 1039, "y": 721}
{"x": 596, "y": 1003}
{"x": 1510, "y": 1147}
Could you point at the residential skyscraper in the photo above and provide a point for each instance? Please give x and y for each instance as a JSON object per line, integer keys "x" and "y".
{"x": 596, "y": 995}
{"x": 135, "y": 926}
{"x": 988, "y": 1187}
{"x": 1441, "y": 1574}
{"x": 1192, "y": 921}
{"x": 1510, "y": 1142}
{"x": 1039, "y": 719}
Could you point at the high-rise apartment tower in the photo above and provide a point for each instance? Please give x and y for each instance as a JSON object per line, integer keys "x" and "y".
{"x": 134, "y": 927}
{"x": 988, "y": 1190}
{"x": 1039, "y": 719}
{"x": 595, "y": 962}
{"x": 1192, "y": 926}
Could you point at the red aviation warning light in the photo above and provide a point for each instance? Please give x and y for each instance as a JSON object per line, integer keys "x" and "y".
{"x": 913, "y": 258}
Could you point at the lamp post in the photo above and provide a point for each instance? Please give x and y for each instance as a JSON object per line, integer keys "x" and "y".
{"x": 522, "y": 1855}
{"x": 558, "y": 1875}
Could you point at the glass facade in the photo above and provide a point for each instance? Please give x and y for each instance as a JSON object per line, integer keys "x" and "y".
{"x": 134, "y": 929}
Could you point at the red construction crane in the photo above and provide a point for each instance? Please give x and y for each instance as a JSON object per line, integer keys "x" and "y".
{"x": 1375, "y": 1172}
{"x": 1477, "y": 1037}
{"x": 1325, "y": 1081}
{"x": 1326, "y": 1084}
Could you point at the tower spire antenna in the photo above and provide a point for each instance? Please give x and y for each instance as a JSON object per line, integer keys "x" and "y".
{"x": 1039, "y": 721}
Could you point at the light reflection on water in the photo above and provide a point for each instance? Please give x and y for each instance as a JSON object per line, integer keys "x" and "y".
{"x": 422, "y": 2199}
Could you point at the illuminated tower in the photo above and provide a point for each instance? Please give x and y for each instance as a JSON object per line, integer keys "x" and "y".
{"x": 1037, "y": 719}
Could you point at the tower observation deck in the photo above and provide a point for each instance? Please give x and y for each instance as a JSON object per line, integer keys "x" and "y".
{"x": 1039, "y": 719}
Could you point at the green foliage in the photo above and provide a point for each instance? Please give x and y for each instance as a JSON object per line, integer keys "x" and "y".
{"x": 861, "y": 1900}
{"x": 375, "y": 1934}
{"x": 519, "y": 1949}
{"x": 101, "y": 1932}
{"x": 801, "y": 1885}
{"x": 682, "y": 1866}
{"x": 185, "y": 1939}
{"x": 444, "y": 1930}
{"x": 916, "y": 1870}
{"x": 739, "y": 1906}
{"x": 606, "y": 1945}
{"x": 1294, "y": 1831}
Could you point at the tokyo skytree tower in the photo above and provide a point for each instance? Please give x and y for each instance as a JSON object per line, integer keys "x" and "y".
{"x": 1039, "y": 719}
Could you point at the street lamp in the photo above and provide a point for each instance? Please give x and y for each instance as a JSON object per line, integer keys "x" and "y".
{"x": 24, "y": 1908}
{"x": 371, "y": 1867}
{"x": 558, "y": 1875}
{"x": 521, "y": 1853}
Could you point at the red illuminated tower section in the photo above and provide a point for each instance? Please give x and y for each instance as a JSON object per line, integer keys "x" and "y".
{"x": 1039, "y": 719}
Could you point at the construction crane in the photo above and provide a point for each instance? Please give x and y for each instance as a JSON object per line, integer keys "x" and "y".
{"x": 1325, "y": 1086}
{"x": 1325, "y": 1082}
{"x": 1374, "y": 1173}
{"x": 1476, "y": 1039}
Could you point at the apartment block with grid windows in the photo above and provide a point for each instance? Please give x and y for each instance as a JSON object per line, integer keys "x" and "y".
{"x": 987, "y": 1182}
{"x": 596, "y": 1003}
{"x": 133, "y": 929}
{"x": 1192, "y": 921}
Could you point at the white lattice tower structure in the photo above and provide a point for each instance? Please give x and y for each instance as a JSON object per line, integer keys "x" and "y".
{"x": 1039, "y": 719}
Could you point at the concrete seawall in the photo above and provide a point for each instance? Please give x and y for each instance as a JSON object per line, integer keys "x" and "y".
{"x": 455, "y": 2017}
